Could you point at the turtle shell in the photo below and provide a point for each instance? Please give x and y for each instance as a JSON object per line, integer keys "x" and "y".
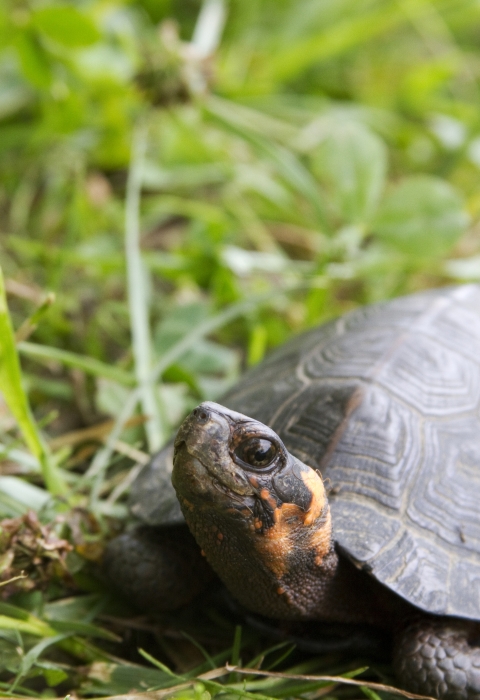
{"x": 385, "y": 402}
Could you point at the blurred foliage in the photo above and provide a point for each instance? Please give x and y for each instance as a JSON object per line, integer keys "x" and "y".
{"x": 195, "y": 183}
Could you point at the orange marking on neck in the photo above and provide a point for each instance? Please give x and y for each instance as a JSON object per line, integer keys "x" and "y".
{"x": 294, "y": 528}
{"x": 315, "y": 485}
{"x": 278, "y": 541}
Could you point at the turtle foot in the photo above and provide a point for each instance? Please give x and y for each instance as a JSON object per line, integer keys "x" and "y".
{"x": 156, "y": 569}
{"x": 439, "y": 658}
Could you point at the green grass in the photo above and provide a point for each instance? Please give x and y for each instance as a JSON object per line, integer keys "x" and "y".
{"x": 166, "y": 219}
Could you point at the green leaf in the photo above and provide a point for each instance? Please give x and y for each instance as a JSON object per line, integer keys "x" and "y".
{"x": 422, "y": 216}
{"x": 54, "y": 676}
{"x": 118, "y": 679}
{"x": 27, "y": 495}
{"x": 352, "y": 161}
{"x": 369, "y": 693}
{"x": 34, "y": 626}
{"x": 9, "y": 656}
{"x": 77, "y": 607}
{"x": 257, "y": 344}
{"x": 33, "y": 60}
{"x": 31, "y": 656}
{"x": 332, "y": 41}
{"x": 14, "y": 611}
{"x": 66, "y": 25}
{"x": 10, "y": 507}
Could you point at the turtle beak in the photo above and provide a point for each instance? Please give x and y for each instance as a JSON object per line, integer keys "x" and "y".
{"x": 205, "y": 435}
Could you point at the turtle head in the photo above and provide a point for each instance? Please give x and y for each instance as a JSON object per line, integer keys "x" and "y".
{"x": 259, "y": 514}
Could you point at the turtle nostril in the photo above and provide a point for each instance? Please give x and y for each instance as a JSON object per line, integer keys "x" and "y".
{"x": 201, "y": 415}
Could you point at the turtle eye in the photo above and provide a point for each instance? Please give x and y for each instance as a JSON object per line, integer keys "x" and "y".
{"x": 256, "y": 452}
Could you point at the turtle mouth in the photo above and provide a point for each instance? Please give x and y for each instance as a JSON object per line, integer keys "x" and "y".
{"x": 230, "y": 483}
{"x": 186, "y": 461}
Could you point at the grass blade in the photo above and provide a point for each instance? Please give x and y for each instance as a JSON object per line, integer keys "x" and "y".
{"x": 31, "y": 323}
{"x": 90, "y": 365}
{"x": 16, "y": 398}
{"x": 201, "y": 649}
{"x": 158, "y": 664}
{"x": 137, "y": 294}
{"x": 31, "y": 626}
{"x": 31, "y": 656}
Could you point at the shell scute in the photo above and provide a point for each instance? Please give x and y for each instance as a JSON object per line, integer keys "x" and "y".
{"x": 378, "y": 451}
{"x": 362, "y": 529}
{"x": 413, "y": 568}
{"x": 430, "y": 377}
{"x": 445, "y": 500}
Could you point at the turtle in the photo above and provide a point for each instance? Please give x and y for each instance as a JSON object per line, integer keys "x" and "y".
{"x": 337, "y": 482}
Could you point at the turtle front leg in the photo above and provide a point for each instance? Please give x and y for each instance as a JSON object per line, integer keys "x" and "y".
{"x": 439, "y": 657}
{"x": 156, "y": 568}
